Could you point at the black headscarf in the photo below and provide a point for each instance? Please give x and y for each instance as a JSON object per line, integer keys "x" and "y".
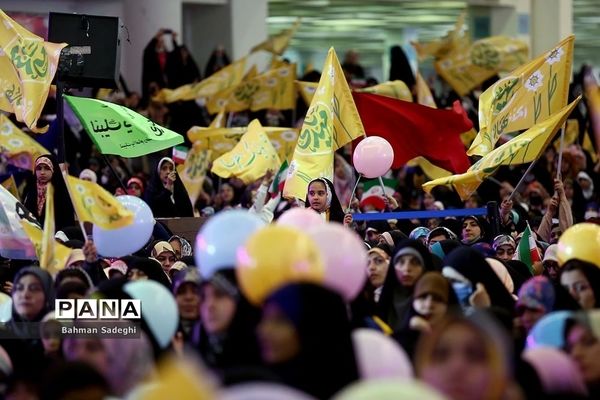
{"x": 163, "y": 203}
{"x": 151, "y": 268}
{"x": 64, "y": 214}
{"x": 473, "y": 266}
{"x": 336, "y": 213}
{"x": 400, "y": 68}
{"x": 326, "y": 362}
{"x": 394, "y": 302}
{"x": 237, "y": 348}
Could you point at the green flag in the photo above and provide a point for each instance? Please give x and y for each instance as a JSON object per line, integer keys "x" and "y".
{"x": 118, "y": 130}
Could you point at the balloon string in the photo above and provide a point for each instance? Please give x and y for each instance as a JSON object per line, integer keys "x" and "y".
{"x": 353, "y": 193}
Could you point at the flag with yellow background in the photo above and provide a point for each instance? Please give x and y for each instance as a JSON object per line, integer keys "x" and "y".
{"x": 94, "y": 204}
{"x": 272, "y": 89}
{"x": 222, "y": 140}
{"x": 229, "y": 76}
{"x": 468, "y": 67}
{"x": 571, "y": 134}
{"x": 331, "y": 122}
{"x": 395, "y": 89}
{"x": 524, "y": 148}
{"x": 193, "y": 171}
{"x": 424, "y": 95}
{"x": 251, "y": 157}
{"x": 19, "y": 148}
{"x": 52, "y": 255}
{"x": 278, "y": 43}
{"x": 27, "y": 67}
{"x": 455, "y": 39}
{"x": 11, "y": 185}
{"x": 526, "y": 97}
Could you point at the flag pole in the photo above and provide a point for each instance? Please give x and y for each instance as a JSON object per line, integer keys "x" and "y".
{"x": 64, "y": 174}
{"x": 562, "y": 144}
{"x": 106, "y": 160}
{"x": 353, "y": 193}
{"x": 522, "y": 179}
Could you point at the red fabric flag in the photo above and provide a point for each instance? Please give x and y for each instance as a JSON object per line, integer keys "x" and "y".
{"x": 415, "y": 130}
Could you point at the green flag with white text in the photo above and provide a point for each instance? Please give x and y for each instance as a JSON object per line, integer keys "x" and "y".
{"x": 118, "y": 130}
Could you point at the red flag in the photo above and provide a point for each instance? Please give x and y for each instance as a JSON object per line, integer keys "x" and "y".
{"x": 415, "y": 130}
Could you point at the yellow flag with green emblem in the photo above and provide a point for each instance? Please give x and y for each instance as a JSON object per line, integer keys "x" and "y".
{"x": 526, "y": 97}
{"x": 228, "y": 77}
{"x": 468, "y": 67}
{"x": 251, "y": 157}
{"x": 331, "y": 122}
{"x": 273, "y": 89}
{"x": 193, "y": 171}
{"x": 395, "y": 89}
{"x": 19, "y": 148}
{"x": 524, "y": 148}
{"x": 222, "y": 140}
{"x": 52, "y": 255}
{"x": 94, "y": 204}
{"x": 27, "y": 67}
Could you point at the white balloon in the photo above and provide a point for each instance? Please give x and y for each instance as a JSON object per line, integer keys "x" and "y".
{"x": 129, "y": 239}
{"x": 378, "y": 356}
{"x": 262, "y": 391}
{"x": 159, "y": 309}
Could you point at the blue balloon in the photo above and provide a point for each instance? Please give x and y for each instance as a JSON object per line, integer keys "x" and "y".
{"x": 218, "y": 240}
{"x": 549, "y": 331}
{"x": 159, "y": 309}
{"x": 129, "y": 239}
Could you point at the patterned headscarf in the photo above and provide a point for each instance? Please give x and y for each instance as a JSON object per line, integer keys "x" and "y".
{"x": 186, "y": 247}
{"x": 41, "y": 187}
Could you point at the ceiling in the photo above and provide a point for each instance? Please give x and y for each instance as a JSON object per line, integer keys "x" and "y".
{"x": 373, "y": 26}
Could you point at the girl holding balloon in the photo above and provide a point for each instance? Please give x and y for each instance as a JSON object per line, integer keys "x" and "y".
{"x": 321, "y": 197}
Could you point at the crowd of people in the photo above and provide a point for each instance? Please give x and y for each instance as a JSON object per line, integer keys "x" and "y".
{"x": 452, "y": 294}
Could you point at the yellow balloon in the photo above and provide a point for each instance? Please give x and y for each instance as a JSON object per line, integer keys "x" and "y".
{"x": 274, "y": 256}
{"x": 581, "y": 241}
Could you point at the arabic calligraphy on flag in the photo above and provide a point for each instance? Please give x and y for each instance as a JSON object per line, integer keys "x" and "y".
{"x": 118, "y": 130}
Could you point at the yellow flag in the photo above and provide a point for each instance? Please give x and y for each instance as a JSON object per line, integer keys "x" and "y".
{"x": 432, "y": 171}
{"x": 94, "y": 204}
{"x": 229, "y": 76}
{"x": 27, "y": 67}
{"x": 395, "y": 89}
{"x": 331, "y": 122}
{"x": 193, "y": 171}
{"x": 589, "y": 147}
{"x": 571, "y": 134}
{"x": 47, "y": 252}
{"x": 307, "y": 90}
{"x": 60, "y": 253}
{"x": 424, "y": 95}
{"x": 273, "y": 89}
{"x": 466, "y": 68}
{"x": 278, "y": 43}
{"x": 251, "y": 157}
{"x": 277, "y": 62}
{"x": 10, "y": 185}
{"x": 526, "y": 97}
{"x": 524, "y": 148}
{"x": 219, "y": 120}
{"x": 20, "y": 149}
{"x": 454, "y": 39}
{"x": 222, "y": 140}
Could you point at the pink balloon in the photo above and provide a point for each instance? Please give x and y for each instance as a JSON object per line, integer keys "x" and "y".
{"x": 378, "y": 356}
{"x": 344, "y": 256}
{"x": 373, "y": 157}
{"x": 301, "y": 218}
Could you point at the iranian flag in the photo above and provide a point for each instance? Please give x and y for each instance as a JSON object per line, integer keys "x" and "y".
{"x": 373, "y": 187}
{"x": 279, "y": 180}
{"x": 180, "y": 154}
{"x": 527, "y": 250}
